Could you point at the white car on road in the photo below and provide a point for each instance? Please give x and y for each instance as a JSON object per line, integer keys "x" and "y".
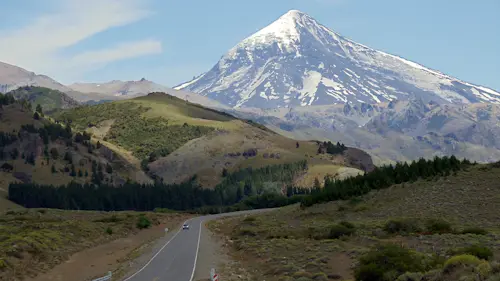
{"x": 185, "y": 226}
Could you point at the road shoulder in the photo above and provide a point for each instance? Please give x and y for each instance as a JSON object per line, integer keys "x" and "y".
{"x": 214, "y": 253}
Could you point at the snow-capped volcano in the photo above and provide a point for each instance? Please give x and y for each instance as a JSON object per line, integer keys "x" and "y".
{"x": 296, "y": 61}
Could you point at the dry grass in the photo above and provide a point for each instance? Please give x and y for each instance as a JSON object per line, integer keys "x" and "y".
{"x": 288, "y": 241}
{"x": 207, "y": 156}
{"x": 33, "y": 241}
{"x": 13, "y": 117}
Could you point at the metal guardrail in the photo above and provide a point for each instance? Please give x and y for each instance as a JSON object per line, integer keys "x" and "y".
{"x": 105, "y": 278}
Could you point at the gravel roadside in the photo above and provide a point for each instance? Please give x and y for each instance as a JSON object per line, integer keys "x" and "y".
{"x": 214, "y": 253}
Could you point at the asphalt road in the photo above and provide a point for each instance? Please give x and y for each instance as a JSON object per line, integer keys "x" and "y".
{"x": 176, "y": 260}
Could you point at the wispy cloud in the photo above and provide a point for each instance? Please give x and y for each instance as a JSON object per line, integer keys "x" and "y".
{"x": 39, "y": 44}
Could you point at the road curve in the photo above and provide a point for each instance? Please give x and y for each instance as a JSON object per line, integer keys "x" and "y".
{"x": 176, "y": 260}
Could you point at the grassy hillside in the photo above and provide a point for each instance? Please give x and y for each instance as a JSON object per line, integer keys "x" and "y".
{"x": 39, "y": 151}
{"x": 426, "y": 226}
{"x": 49, "y": 99}
{"x": 174, "y": 139}
{"x": 33, "y": 241}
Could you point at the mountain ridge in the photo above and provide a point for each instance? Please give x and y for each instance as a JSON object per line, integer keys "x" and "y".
{"x": 296, "y": 61}
{"x": 13, "y": 77}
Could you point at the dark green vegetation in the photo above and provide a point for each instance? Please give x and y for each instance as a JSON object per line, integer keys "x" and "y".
{"x": 252, "y": 188}
{"x": 48, "y": 99}
{"x": 36, "y": 149}
{"x": 33, "y": 240}
{"x": 441, "y": 228}
{"x": 384, "y": 177}
{"x": 330, "y": 148}
{"x": 159, "y": 136}
{"x": 388, "y": 262}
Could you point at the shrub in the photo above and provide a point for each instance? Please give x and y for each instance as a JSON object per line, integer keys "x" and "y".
{"x": 461, "y": 260}
{"x": 475, "y": 230}
{"x": 54, "y": 153}
{"x": 410, "y": 276}
{"x": 143, "y": 222}
{"x": 438, "y": 226}
{"x": 3, "y": 264}
{"x": 109, "y": 230}
{"x": 402, "y": 226}
{"x": 112, "y": 218}
{"x": 164, "y": 210}
{"x": 247, "y": 232}
{"x": 249, "y": 219}
{"x": 347, "y": 224}
{"x": 478, "y": 251}
{"x": 387, "y": 262}
{"x": 340, "y": 230}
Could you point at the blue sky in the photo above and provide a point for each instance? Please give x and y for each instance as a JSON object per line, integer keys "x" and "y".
{"x": 169, "y": 41}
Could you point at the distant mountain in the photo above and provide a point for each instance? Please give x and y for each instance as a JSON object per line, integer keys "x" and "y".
{"x": 116, "y": 90}
{"x": 395, "y": 131}
{"x": 49, "y": 99}
{"x": 13, "y": 77}
{"x": 119, "y": 88}
{"x": 296, "y": 61}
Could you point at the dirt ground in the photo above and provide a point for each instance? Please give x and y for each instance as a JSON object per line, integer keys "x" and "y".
{"x": 113, "y": 256}
{"x": 215, "y": 253}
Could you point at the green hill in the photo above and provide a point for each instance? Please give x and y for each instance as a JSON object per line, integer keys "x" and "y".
{"x": 49, "y": 99}
{"x": 34, "y": 149}
{"x": 173, "y": 139}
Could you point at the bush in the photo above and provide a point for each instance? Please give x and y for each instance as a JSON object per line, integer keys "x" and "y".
{"x": 110, "y": 219}
{"x": 247, "y": 232}
{"x": 475, "y": 230}
{"x": 387, "y": 263}
{"x": 410, "y": 276}
{"x": 143, "y": 222}
{"x": 438, "y": 226}
{"x": 402, "y": 226}
{"x": 347, "y": 224}
{"x": 461, "y": 260}
{"x": 54, "y": 153}
{"x": 249, "y": 219}
{"x": 478, "y": 251}
{"x": 109, "y": 230}
{"x": 164, "y": 210}
{"x": 340, "y": 230}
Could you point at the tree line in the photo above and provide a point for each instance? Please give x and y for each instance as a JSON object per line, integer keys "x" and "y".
{"x": 384, "y": 177}
{"x": 250, "y": 188}
{"x": 330, "y": 148}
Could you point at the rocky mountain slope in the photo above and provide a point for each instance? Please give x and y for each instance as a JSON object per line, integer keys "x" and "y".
{"x": 305, "y": 81}
{"x": 296, "y": 61}
{"x": 13, "y": 77}
{"x": 395, "y": 131}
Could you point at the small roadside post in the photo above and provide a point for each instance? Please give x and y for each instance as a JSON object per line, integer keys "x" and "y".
{"x": 213, "y": 275}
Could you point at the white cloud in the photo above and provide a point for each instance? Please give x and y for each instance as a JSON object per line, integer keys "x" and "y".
{"x": 38, "y": 45}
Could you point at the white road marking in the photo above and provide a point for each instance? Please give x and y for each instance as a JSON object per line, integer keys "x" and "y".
{"x": 180, "y": 229}
{"x": 197, "y": 249}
